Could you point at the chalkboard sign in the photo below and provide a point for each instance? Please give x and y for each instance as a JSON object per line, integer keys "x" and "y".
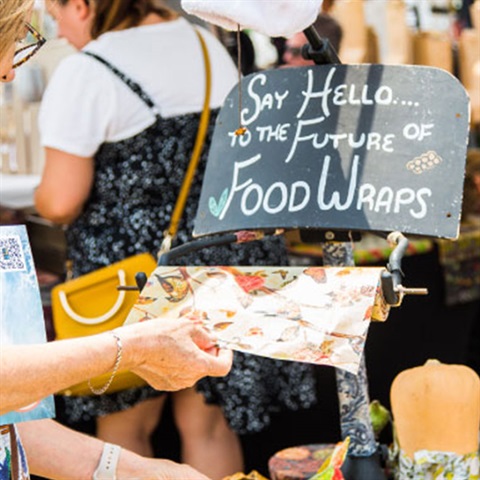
{"x": 339, "y": 147}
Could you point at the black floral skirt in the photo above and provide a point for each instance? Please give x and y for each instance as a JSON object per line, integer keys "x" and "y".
{"x": 255, "y": 388}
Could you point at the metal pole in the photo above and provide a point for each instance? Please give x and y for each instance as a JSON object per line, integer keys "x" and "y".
{"x": 362, "y": 462}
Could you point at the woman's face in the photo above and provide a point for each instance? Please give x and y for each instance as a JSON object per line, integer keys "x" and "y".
{"x": 7, "y": 73}
{"x": 293, "y": 51}
{"x": 73, "y": 21}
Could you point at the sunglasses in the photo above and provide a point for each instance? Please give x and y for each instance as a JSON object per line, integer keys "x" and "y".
{"x": 26, "y": 52}
{"x": 294, "y": 51}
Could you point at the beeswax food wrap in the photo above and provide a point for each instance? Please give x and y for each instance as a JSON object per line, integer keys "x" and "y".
{"x": 316, "y": 315}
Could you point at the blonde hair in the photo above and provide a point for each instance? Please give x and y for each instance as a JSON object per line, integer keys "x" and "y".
{"x": 13, "y": 14}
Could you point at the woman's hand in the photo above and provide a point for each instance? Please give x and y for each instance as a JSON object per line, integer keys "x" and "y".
{"x": 172, "y": 354}
{"x": 154, "y": 469}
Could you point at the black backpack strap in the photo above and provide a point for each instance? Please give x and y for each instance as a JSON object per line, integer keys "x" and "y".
{"x": 134, "y": 86}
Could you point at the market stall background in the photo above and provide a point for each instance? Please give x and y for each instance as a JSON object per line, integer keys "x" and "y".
{"x": 416, "y": 32}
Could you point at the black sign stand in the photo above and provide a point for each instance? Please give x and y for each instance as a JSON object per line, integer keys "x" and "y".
{"x": 362, "y": 461}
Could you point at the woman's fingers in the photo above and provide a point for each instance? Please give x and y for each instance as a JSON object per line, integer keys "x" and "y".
{"x": 172, "y": 354}
{"x": 219, "y": 361}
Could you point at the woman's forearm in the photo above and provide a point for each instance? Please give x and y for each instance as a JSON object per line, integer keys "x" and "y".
{"x": 170, "y": 354}
{"x": 31, "y": 372}
{"x": 57, "y": 452}
{"x": 60, "y": 453}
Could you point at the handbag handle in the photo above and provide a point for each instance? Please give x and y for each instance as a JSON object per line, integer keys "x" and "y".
{"x": 102, "y": 318}
{"x": 171, "y": 232}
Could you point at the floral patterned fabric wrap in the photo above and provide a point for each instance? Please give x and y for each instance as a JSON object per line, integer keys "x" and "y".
{"x": 316, "y": 315}
{"x": 433, "y": 465}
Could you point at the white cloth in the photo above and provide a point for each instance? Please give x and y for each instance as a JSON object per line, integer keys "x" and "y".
{"x": 17, "y": 191}
{"x": 275, "y": 18}
{"x": 85, "y": 104}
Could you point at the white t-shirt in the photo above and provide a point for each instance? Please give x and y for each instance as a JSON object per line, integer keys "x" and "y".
{"x": 85, "y": 104}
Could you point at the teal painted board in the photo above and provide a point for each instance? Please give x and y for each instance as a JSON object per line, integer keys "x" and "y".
{"x": 21, "y": 313}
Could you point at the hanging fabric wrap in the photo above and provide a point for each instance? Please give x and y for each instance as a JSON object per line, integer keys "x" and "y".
{"x": 274, "y": 18}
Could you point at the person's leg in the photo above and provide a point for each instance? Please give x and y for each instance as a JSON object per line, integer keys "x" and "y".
{"x": 208, "y": 443}
{"x": 132, "y": 428}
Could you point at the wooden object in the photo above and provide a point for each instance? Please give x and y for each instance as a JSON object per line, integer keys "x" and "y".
{"x": 475, "y": 14}
{"x": 433, "y": 49}
{"x": 469, "y": 62}
{"x": 35, "y": 151}
{"x": 437, "y": 407}
{"x": 351, "y": 17}
{"x": 373, "y": 51}
{"x": 399, "y": 36}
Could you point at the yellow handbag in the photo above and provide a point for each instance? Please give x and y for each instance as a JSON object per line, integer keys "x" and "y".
{"x": 92, "y": 304}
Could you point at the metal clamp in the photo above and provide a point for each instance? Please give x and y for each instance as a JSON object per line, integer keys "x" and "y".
{"x": 140, "y": 279}
{"x": 393, "y": 290}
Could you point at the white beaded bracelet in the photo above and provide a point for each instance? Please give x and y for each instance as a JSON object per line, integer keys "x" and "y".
{"x": 100, "y": 391}
{"x": 107, "y": 467}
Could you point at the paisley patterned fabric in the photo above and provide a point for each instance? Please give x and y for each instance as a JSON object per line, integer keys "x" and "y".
{"x": 352, "y": 389}
{"x": 12, "y": 453}
{"x": 136, "y": 184}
